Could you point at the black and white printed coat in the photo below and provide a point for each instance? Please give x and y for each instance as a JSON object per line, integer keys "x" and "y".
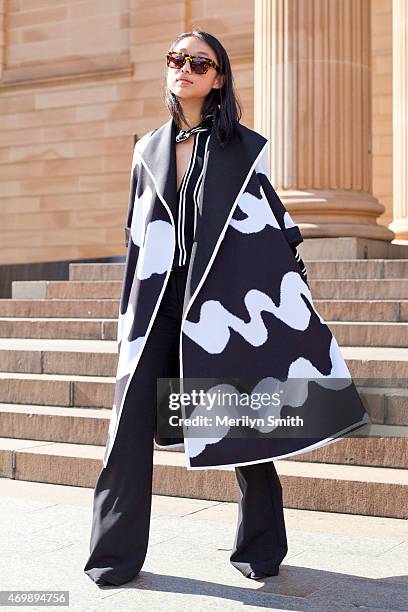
{"x": 248, "y": 311}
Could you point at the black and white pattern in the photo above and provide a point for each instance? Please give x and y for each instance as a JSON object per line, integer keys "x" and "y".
{"x": 186, "y": 213}
{"x": 248, "y": 312}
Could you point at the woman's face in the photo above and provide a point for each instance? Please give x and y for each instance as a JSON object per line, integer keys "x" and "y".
{"x": 198, "y": 85}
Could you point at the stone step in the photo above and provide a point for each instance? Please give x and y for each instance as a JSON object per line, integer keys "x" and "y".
{"x": 385, "y": 405}
{"x": 82, "y": 374}
{"x": 32, "y": 308}
{"x": 109, "y": 289}
{"x": 353, "y": 247}
{"x": 55, "y": 423}
{"x": 96, "y": 271}
{"x": 331, "y": 310}
{"x": 58, "y": 356}
{"x": 387, "y": 446}
{"x": 66, "y": 328}
{"x": 341, "y": 289}
{"x": 357, "y": 268}
{"x": 317, "y": 269}
{"x": 388, "y": 405}
{"x": 377, "y": 366}
{"x": 371, "y": 365}
{"x": 361, "y": 333}
{"x": 350, "y": 489}
{"x": 57, "y": 389}
{"x": 351, "y": 333}
{"x": 65, "y": 289}
{"x": 363, "y": 310}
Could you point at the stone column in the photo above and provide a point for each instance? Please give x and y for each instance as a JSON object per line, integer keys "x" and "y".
{"x": 400, "y": 118}
{"x": 313, "y": 102}
{"x": 2, "y": 36}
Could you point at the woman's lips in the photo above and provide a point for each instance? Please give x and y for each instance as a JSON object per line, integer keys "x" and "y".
{"x": 183, "y": 81}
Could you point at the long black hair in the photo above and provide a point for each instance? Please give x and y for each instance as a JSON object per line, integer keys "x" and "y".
{"x": 222, "y": 102}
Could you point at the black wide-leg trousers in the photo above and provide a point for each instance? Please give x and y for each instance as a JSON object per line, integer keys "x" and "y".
{"x": 123, "y": 491}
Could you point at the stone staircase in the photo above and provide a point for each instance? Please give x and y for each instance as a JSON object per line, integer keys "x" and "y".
{"x": 58, "y": 358}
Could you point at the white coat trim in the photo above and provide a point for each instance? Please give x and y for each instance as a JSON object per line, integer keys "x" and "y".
{"x": 204, "y": 276}
{"x": 105, "y": 462}
{"x": 306, "y": 449}
{"x": 165, "y": 446}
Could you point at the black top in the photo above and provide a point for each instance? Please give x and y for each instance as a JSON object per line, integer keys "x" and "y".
{"x": 187, "y": 199}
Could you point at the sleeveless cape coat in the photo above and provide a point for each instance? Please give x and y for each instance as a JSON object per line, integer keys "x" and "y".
{"x": 248, "y": 313}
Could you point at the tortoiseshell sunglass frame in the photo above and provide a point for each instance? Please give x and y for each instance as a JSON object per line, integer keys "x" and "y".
{"x": 209, "y": 62}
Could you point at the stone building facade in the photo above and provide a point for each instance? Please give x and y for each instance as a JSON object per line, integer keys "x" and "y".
{"x": 325, "y": 80}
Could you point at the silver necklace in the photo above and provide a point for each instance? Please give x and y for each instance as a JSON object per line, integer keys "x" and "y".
{"x": 202, "y": 127}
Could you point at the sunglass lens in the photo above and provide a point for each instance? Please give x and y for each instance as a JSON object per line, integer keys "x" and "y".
{"x": 200, "y": 66}
{"x": 175, "y": 60}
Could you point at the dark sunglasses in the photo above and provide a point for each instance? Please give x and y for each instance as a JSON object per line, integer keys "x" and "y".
{"x": 199, "y": 65}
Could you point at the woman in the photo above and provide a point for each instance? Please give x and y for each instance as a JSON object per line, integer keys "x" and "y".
{"x": 207, "y": 233}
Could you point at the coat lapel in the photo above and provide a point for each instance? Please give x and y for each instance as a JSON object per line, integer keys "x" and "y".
{"x": 225, "y": 171}
{"x": 159, "y": 155}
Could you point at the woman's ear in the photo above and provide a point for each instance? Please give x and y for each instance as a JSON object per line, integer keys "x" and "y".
{"x": 219, "y": 81}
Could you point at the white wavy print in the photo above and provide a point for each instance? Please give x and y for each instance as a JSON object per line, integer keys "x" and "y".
{"x": 288, "y": 221}
{"x": 293, "y": 395}
{"x": 128, "y": 357}
{"x": 154, "y": 258}
{"x": 141, "y": 211}
{"x": 262, "y": 164}
{"x": 112, "y": 421}
{"x": 259, "y": 214}
{"x": 212, "y": 331}
{"x": 262, "y": 167}
{"x": 125, "y": 322}
{"x": 129, "y": 351}
{"x": 156, "y": 253}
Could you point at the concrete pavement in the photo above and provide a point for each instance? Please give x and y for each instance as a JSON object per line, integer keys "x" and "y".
{"x": 336, "y": 562}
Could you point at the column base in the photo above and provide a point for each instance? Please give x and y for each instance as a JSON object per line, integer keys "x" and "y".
{"x": 400, "y": 228}
{"x": 351, "y": 247}
{"x": 336, "y": 213}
